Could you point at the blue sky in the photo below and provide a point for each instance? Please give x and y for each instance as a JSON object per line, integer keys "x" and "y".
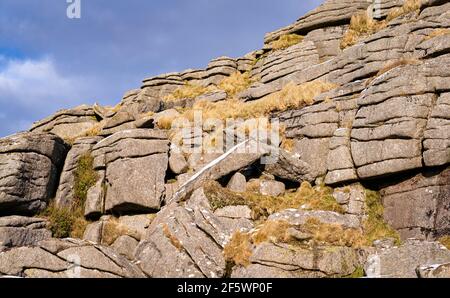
{"x": 49, "y": 62}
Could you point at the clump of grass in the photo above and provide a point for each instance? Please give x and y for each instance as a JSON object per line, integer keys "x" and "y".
{"x": 307, "y": 197}
{"x": 286, "y": 41}
{"x": 113, "y": 229}
{"x": 334, "y": 234}
{"x": 437, "y": 32}
{"x": 374, "y": 226}
{"x": 239, "y": 249}
{"x": 392, "y": 65}
{"x": 361, "y": 25}
{"x": 69, "y": 221}
{"x": 235, "y": 83}
{"x": 292, "y": 96}
{"x": 445, "y": 241}
{"x": 85, "y": 177}
{"x": 173, "y": 240}
{"x": 188, "y": 90}
{"x": 408, "y": 7}
{"x": 358, "y": 273}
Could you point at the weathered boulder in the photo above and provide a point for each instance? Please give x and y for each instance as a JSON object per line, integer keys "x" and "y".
{"x": 132, "y": 166}
{"x": 178, "y": 246}
{"x": 55, "y": 258}
{"x": 329, "y": 13}
{"x": 402, "y": 262}
{"x": 280, "y": 260}
{"x": 30, "y": 167}
{"x": 187, "y": 241}
{"x": 17, "y": 231}
{"x": 68, "y": 124}
{"x": 237, "y": 183}
{"x": 434, "y": 271}
{"x": 418, "y": 206}
{"x": 271, "y": 188}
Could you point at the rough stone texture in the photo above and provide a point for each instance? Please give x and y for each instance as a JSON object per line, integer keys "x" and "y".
{"x": 419, "y": 206}
{"x": 282, "y": 63}
{"x": 187, "y": 241}
{"x": 67, "y": 258}
{"x": 437, "y": 134}
{"x": 329, "y": 13}
{"x": 132, "y": 164}
{"x": 125, "y": 245}
{"x": 299, "y": 217}
{"x": 271, "y": 188}
{"x": 402, "y": 262}
{"x": 234, "y": 212}
{"x": 279, "y": 260}
{"x": 237, "y": 183}
{"x": 93, "y": 232}
{"x": 17, "y": 231}
{"x": 340, "y": 161}
{"x": 240, "y": 156}
{"x": 177, "y": 163}
{"x": 434, "y": 271}
{"x": 68, "y": 124}
{"x": 64, "y": 195}
{"x": 30, "y": 164}
{"x": 352, "y": 198}
{"x": 289, "y": 166}
{"x": 178, "y": 246}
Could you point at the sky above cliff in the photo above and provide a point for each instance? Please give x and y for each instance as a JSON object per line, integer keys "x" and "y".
{"x": 49, "y": 62}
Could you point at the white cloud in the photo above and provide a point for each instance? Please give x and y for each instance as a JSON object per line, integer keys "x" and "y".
{"x": 37, "y": 82}
{"x": 33, "y": 89}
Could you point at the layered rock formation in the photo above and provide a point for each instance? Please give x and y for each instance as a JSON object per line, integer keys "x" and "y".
{"x": 360, "y": 185}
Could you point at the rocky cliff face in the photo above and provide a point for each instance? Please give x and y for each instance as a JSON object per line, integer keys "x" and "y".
{"x": 336, "y": 162}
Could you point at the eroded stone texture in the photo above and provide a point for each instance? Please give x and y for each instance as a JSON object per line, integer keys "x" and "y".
{"x": 419, "y": 206}
{"x": 30, "y": 164}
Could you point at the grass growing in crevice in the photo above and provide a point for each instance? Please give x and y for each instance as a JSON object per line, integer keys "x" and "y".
{"x": 113, "y": 229}
{"x": 361, "y": 25}
{"x": 358, "y": 273}
{"x": 235, "y": 83}
{"x": 409, "y": 6}
{"x": 69, "y": 221}
{"x": 389, "y": 66}
{"x": 286, "y": 41}
{"x": 188, "y": 90}
{"x": 437, "y": 32}
{"x": 173, "y": 240}
{"x": 445, "y": 240}
{"x": 292, "y": 96}
{"x": 239, "y": 248}
{"x": 375, "y": 226}
{"x": 307, "y": 197}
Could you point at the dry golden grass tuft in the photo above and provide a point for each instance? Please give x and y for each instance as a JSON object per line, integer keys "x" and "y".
{"x": 437, "y": 32}
{"x": 292, "y": 96}
{"x": 308, "y": 197}
{"x": 239, "y": 249}
{"x": 334, "y": 234}
{"x": 235, "y": 83}
{"x": 173, "y": 240}
{"x": 113, "y": 229}
{"x": 445, "y": 241}
{"x": 408, "y": 7}
{"x": 286, "y": 41}
{"x": 188, "y": 90}
{"x": 361, "y": 25}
